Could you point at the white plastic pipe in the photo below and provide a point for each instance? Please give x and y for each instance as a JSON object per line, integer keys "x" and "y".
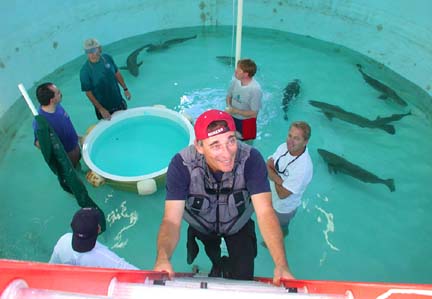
{"x": 27, "y": 99}
{"x": 18, "y": 289}
{"x": 239, "y": 30}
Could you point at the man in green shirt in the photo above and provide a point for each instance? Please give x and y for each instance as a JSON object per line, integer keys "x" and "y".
{"x": 100, "y": 79}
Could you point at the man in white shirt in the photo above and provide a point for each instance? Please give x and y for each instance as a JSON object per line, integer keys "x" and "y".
{"x": 81, "y": 247}
{"x": 290, "y": 168}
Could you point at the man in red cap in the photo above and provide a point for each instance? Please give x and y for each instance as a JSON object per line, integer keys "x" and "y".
{"x": 216, "y": 185}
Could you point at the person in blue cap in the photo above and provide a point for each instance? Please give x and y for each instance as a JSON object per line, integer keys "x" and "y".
{"x": 81, "y": 247}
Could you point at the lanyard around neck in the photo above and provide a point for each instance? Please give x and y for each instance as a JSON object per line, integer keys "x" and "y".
{"x": 289, "y": 163}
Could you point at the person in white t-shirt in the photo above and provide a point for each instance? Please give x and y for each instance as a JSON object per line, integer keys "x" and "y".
{"x": 243, "y": 100}
{"x": 81, "y": 247}
{"x": 290, "y": 168}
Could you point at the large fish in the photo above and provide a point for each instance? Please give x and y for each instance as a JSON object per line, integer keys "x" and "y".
{"x": 132, "y": 64}
{"x": 338, "y": 164}
{"x": 227, "y": 60}
{"x": 167, "y": 44}
{"x": 386, "y": 91}
{"x": 291, "y": 91}
{"x": 331, "y": 111}
{"x": 393, "y": 117}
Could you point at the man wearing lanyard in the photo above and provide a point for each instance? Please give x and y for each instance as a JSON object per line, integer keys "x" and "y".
{"x": 290, "y": 168}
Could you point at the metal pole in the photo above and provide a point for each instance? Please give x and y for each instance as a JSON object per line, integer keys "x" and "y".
{"x": 239, "y": 30}
{"x": 27, "y": 99}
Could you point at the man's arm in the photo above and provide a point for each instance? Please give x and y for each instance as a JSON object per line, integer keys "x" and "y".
{"x": 272, "y": 234}
{"x": 254, "y": 105}
{"x": 122, "y": 83}
{"x": 169, "y": 233}
{"x": 228, "y": 101}
{"x": 105, "y": 114}
{"x": 232, "y": 110}
{"x": 273, "y": 175}
{"x": 281, "y": 191}
{"x": 245, "y": 113}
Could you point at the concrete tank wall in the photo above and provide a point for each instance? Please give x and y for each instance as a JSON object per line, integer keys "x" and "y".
{"x": 39, "y": 36}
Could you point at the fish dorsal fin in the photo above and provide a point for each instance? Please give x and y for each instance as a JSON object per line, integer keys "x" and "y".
{"x": 332, "y": 169}
{"x": 329, "y": 115}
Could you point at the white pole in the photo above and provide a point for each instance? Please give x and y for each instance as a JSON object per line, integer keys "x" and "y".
{"x": 27, "y": 99}
{"x": 239, "y": 30}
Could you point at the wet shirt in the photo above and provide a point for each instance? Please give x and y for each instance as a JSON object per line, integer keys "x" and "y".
{"x": 60, "y": 121}
{"x": 245, "y": 97}
{"x": 100, "y": 79}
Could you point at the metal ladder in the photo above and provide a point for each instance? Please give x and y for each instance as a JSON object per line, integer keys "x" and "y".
{"x": 197, "y": 287}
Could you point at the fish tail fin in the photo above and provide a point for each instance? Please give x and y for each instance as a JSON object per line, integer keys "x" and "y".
{"x": 390, "y": 184}
{"x": 389, "y": 129}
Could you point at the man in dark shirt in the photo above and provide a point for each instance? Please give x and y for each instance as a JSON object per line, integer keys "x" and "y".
{"x": 216, "y": 185}
{"x": 100, "y": 79}
{"x": 49, "y": 97}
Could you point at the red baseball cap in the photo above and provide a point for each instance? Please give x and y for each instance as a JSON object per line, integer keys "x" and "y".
{"x": 205, "y": 119}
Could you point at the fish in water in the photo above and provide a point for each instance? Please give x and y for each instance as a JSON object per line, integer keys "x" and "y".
{"x": 167, "y": 44}
{"x": 338, "y": 164}
{"x": 291, "y": 91}
{"x": 386, "y": 91}
{"x": 132, "y": 64}
{"x": 393, "y": 117}
{"x": 331, "y": 111}
{"x": 227, "y": 60}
